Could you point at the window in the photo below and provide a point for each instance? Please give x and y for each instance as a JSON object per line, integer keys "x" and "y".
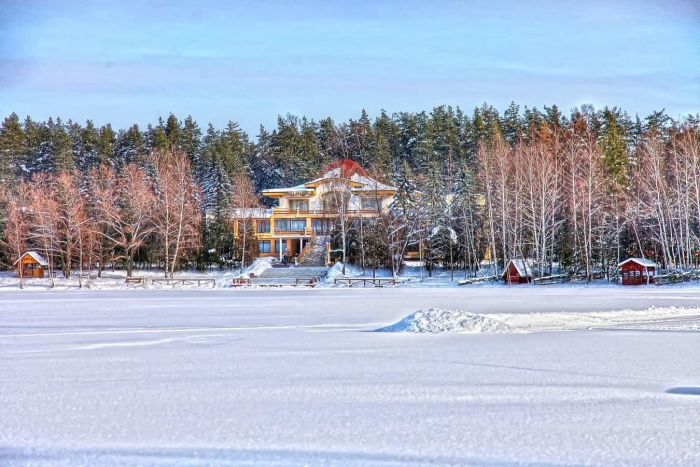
{"x": 263, "y": 226}
{"x": 264, "y": 246}
{"x": 294, "y": 225}
{"x": 322, "y": 226}
{"x": 371, "y": 203}
{"x": 333, "y": 200}
{"x": 298, "y": 204}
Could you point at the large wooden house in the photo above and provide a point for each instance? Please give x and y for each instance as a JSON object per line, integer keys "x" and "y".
{"x": 31, "y": 264}
{"x": 309, "y": 211}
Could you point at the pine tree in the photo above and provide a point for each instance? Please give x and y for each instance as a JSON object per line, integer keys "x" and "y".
{"x": 12, "y": 150}
{"x": 405, "y": 200}
{"x": 88, "y": 153}
{"x": 59, "y": 154}
{"x": 191, "y": 142}
{"x": 172, "y": 132}
{"x": 105, "y": 149}
{"x": 512, "y": 124}
{"x": 130, "y": 148}
{"x": 615, "y": 153}
{"x": 466, "y": 212}
{"x": 433, "y": 206}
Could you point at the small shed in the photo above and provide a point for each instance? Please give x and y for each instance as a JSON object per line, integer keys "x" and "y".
{"x": 517, "y": 271}
{"x": 637, "y": 271}
{"x": 31, "y": 264}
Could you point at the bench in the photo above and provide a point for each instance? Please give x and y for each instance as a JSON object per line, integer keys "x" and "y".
{"x": 183, "y": 281}
{"x": 134, "y": 280}
{"x": 376, "y": 282}
{"x": 240, "y": 282}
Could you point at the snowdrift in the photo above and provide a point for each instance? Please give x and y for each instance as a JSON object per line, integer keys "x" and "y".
{"x": 258, "y": 266}
{"x": 440, "y": 320}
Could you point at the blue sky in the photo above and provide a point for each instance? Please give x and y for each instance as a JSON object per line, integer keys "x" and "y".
{"x": 129, "y": 62}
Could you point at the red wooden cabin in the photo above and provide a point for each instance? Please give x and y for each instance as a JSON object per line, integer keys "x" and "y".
{"x": 637, "y": 271}
{"x": 517, "y": 271}
{"x": 31, "y": 264}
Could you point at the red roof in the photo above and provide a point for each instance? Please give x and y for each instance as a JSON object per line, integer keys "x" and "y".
{"x": 347, "y": 167}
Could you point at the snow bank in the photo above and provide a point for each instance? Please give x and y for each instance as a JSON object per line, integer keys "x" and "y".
{"x": 440, "y": 320}
{"x": 336, "y": 272}
{"x": 257, "y": 267}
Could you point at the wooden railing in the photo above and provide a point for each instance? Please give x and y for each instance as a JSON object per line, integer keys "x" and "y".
{"x": 321, "y": 212}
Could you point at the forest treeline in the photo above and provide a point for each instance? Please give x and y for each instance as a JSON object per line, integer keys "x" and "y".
{"x": 581, "y": 190}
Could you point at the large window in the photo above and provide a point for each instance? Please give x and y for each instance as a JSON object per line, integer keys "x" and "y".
{"x": 371, "y": 203}
{"x": 290, "y": 225}
{"x": 264, "y": 246}
{"x": 299, "y": 204}
{"x": 263, "y": 226}
{"x": 333, "y": 200}
{"x": 322, "y": 226}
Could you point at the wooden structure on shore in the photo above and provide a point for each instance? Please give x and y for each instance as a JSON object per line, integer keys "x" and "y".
{"x": 637, "y": 271}
{"x": 517, "y": 271}
{"x": 31, "y": 264}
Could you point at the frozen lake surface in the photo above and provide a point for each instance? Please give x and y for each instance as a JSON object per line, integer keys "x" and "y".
{"x": 295, "y": 377}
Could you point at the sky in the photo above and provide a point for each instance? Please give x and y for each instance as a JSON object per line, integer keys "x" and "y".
{"x": 132, "y": 61}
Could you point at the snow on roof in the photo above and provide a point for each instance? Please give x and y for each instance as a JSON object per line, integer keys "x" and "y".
{"x": 640, "y": 261}
{"x": 368, "y": 184}
{"x": 523, "y": 267}
{"x": 290, "y": 189}
{"x": 36, "y": 256}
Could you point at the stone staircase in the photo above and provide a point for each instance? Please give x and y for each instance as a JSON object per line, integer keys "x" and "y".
{"x": 314, "y": 255}
{"x": 288, "y": 276}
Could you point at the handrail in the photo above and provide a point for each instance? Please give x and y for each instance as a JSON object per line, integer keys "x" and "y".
{"x": 321, "y": 212}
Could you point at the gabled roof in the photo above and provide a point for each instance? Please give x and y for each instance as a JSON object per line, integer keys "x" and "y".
{"x": 291, "y": 189}
{"x": 641, "y": 261}
{"x": 36, "y": 256}
{"x": 523, "y": 267}
{"x": 345, "y": 169}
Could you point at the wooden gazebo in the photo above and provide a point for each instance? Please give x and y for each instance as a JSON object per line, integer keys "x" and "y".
{"x": 31, "y": 264}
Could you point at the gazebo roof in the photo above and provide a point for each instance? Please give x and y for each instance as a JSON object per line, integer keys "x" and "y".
{"x": 35, "y": 256}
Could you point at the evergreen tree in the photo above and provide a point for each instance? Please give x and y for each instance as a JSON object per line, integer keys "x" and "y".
{"x": 191, "y": 142}
{"x": 130, "y": 148}
{"x": 512, "y": 124}
{"x": 172, "y": 132}
{"x": 433, "y": 206}
{"x": 614, "y": 146}
{"x": 105, "y": 149}
{"x": 88, "y": 154}
{"x": 12, "y": 150}
{"x": 58, "y": 153}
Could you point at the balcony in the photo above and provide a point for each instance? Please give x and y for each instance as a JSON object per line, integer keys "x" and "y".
{"x": 322, "y": 212}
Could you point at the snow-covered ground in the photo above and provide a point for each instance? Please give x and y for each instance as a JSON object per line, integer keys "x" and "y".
{"x": 409, "y": 278}
{"x": 298, "y": 377}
